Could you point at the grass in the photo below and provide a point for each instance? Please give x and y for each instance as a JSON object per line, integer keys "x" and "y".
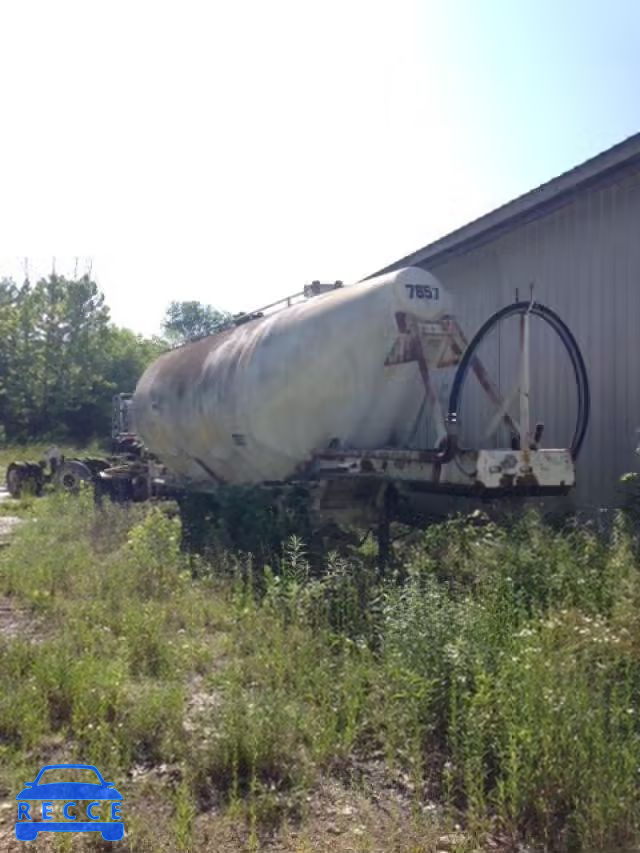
{"x": 36, "y": 450}
{"x": 497, "y": 674}
{"x": 33, "y": 452}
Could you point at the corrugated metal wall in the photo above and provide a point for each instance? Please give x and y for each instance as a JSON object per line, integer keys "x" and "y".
{"x": 584, "y": 261}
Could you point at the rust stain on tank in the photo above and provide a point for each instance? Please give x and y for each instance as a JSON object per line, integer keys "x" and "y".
{"x": 181, "y": 368}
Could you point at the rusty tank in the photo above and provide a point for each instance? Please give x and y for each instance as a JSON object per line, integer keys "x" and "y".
{"x": 254, "y": 403}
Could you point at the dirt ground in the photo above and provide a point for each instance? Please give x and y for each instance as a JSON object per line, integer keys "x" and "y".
{"x": 337, "y": 818}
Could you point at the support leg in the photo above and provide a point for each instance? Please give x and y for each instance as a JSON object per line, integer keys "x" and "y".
{"x": 388, "y": 507}
{"x": 384, "y": 542}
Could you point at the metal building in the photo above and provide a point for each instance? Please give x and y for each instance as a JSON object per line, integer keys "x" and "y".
{"x": 576, "y": 239}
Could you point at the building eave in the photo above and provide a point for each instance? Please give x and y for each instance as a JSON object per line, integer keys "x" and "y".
{"x": 600, "y": 170}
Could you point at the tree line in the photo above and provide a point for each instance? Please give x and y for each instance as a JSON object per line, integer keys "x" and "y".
{"x": 62, "y": 358}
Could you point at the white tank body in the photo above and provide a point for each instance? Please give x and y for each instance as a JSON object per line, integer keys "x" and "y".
{"x": 254, "y": 403}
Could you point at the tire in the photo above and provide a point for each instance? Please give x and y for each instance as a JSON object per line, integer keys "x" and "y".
{"x": 24, "y": 478}
{"x": 139, "y": 488}
{"x": 71, "y": 474}
{"x": 16, "y": 474}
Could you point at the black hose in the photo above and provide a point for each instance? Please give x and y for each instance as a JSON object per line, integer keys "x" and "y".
{"x": 570, "y": 345}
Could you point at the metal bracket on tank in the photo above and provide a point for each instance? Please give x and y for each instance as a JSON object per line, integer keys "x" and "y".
{"x": 437, "y": 344}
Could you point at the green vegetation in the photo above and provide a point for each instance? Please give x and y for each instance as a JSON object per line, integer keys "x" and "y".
{"x": 497, "y": 674}
{"x": 61, "y": 359}
{"x": 187, "y": 321}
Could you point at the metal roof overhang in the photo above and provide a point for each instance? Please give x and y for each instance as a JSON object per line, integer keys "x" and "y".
{"x": 598, "y": 171}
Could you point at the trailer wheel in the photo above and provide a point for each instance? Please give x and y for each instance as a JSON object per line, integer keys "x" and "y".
{"x": 24, "y": 477}
{"x": 16, "y": 475}
{"x": 139, "y": 488}
{"x": 71, "y": 474}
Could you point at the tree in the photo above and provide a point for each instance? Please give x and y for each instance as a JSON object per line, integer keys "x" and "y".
{"x": 61, "y": 360}
{"x": 71, "y": 324}
{"x": 128, "y": 355}
{"x": 188, "y": 321}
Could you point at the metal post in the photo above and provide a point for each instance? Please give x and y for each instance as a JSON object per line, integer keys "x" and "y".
{"x": 525, "y": 382}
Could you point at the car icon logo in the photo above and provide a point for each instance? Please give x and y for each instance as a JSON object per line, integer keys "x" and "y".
{"x": 105, "y": 802}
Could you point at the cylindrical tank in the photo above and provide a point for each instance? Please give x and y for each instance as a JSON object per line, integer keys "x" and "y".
{"x": 253, "y": 403}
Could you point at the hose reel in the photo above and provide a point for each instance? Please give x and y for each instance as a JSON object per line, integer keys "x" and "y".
{"x": 470, "y": 360}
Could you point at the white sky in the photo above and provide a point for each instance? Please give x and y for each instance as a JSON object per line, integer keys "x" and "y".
{"x": 232, "y": 151}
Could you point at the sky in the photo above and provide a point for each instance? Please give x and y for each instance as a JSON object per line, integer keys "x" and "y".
{"x": 230, "y": 152}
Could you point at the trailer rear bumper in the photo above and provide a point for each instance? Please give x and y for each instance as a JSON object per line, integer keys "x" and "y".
{"x": 542, "y": 471}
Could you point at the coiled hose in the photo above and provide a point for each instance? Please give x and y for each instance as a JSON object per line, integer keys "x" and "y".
{"x": 570, "y": 345}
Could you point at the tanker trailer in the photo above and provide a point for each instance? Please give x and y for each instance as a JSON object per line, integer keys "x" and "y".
{"x": 254, "y": 403}
{"x": 340, "y": 392}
